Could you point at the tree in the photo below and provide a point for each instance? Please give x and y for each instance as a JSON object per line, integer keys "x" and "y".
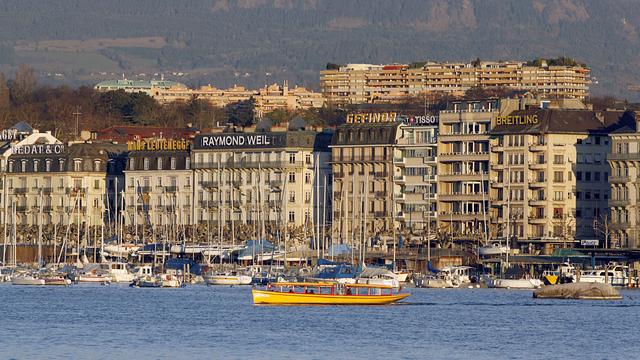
{"x": 23, "y": 85}
{"x": 5, "y": 102}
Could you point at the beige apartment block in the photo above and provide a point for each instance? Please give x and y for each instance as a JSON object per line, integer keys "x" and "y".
{"x": 158, "y": 189}
{"x": 366, "y": 83}
{"x": 268, "y": 98}
{"x": 624, "y": 160}
{"x": 463, "y": 168}
{"x": 263, "y": 180}
{"x": 549, "y": 176}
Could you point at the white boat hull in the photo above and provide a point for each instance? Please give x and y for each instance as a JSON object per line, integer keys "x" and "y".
{"x": 515, "y": 283}
{"x": 26, "y": 280}
{"x": 228, "y": 280}
{"x": 94, "y": 279}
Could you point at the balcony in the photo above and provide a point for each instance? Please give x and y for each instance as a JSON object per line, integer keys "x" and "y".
{"x": 623, "y": 156}
{"x": 537, "y": 202}
{"x": 20, "y": 190}
{"x": 497, "y": 166}
{"x": 209, "y": 184}
{"x": 538, "y": 166}
{"x": 619, "y": 179}
{"x": 458, "y": 156}
{"x": 537, "y": 219}
{"x": 460, "y": 197}
{"x": 537, "y": 147}
{"x": 538, "y": 184}
{"x": 619, "y": 225}
{"x": 619, "y": 202}
{"x": 498, "y": 148}
{"x": 21, "y": 208}
{"x": 457, "y": 176}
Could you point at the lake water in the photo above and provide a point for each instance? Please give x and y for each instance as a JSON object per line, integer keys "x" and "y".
{"x": 115, "y": 321}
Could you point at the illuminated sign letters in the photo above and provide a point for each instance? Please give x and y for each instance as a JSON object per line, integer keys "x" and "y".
{"x": 371, "y": 118}
{"x": 158, "y": 145}
{"x": 517, "y": 120}
{"x": 246, "y": 140}
{"x": 38, "y": 149}
{"x": 8, "y": 134}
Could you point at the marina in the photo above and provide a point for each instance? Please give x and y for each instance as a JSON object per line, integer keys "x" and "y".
{"x": 222, "y": 322}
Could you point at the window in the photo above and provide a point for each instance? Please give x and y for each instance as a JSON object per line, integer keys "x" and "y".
{"x": 77, "y": 165}
{"x": 35, "y": 165}
{"x": 132, "y": 163}
{"x": 558, "y": 159}
{"x": 159, "y": 163}
{"x": 558, "y": 196}
{"x": 172, "y": 162}
{"x": 24, "y": 166}
{"x": 96, "y": 184}
{"x": 96, "y": 165}
{"x": 307, "y": 159}
{"x": 596, "y": 175}
{"x": 307, "y": 197}
{"x": 307, "y": 178}
{"x": 292, "y": 158}
{"x": 48, "y": 165}
{"x": 187, "y": 163}
{"x": 558, "y": 176}
{"x": 292, "y": 177}
{"x": 292, "y": 196}
{"x": 145, "y": 165}
{"x": 578, "y": 175}
{"x": 159, "y": 181}
{"x": 587, "y": 176}
{"x": 292, "y": 216}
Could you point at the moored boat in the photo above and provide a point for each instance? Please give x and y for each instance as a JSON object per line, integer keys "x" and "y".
{"x": 56, "y": 280}
{"x": 294, "y": 293}
{"x": 26, "y": 279}
{"x": 227, "y": 278}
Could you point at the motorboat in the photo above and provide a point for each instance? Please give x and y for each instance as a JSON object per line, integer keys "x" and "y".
{"x": 377, "y": 276}
{"x": 617, "y": 275}
{"x": 402, "y": 276}
{"x": 459, "y": 275}
{"x": 169, "y": 280}
{"x": 120, "y": 250}
{"x": 26, "y": 279}
{"x": 56, "y": 280}
{"x": 147, "y": 281}
{"x": 117, "y": 271}
{"x": 294, "y": 293}
{"x": 523, "y": 283}
{"x": 93, "y": 274}
{"x": 565, "y": 273}
{"x": 437, "y": 281}
{"x": 493, "y": 249}
{"x": 227, "y": 278}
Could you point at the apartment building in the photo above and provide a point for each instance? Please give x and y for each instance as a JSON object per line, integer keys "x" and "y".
{"x": 158, "y": 187}
{"x": 549, "y": 176}
{"x": 415, "y": 175}
{"x": 48, "y": 182}
{"x": 624, "y": 159}
{"x": 149, "y": 87}
{"x": 463, "y": 168}
{"x": 366, "y": 83}
{"x": 266, "y": 99}
{"x": 266, "y": 182}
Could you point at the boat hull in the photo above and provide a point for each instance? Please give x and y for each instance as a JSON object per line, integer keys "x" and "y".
{"x": 229, "y": 280}
{"x": 279, "y": 298}
{"x": 57, "y": 282}
{"x": 17, "y": 280}
{"x": 94, "y": 279}
{"x": 516, "y": 283}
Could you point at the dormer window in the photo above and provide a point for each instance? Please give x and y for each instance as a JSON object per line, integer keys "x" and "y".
{"x": 35, "y": 165}
{"x": 24, "y": 166}
{"x": 10, "y": 166}
{"x": 96, "y": 165}
{"x": 61, "y": 163}
{"x": 47, "y": 165}
{"x": 172, "y": 161}
{"x": 77, "y": 165}
{"x": 146, "y": 164}
{"x": 159, "y": 163}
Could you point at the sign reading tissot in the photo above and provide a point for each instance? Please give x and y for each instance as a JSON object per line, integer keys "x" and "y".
{"x": 240, "y": 141}
{"x": 38, "y": 149}
{"x": 419, "y": 120}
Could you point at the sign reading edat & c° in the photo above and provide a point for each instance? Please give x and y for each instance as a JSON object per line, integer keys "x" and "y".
{"x": 240, "y": 141}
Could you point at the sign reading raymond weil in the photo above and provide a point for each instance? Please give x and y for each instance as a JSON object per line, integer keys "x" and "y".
{"x": 38, "y": 149}
{"x": 240, "y": 141}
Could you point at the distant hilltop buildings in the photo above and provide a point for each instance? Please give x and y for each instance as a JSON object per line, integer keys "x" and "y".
{"x": 367, "y": 83}
{"x": 266, "y": 99}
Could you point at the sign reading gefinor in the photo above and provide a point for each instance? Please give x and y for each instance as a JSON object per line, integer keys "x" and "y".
{"x": 38, "y": 149}
{"x": 8, "y": 134}
{"x": 366, "y": 118}
{"x": 234, "y": 141}
{"x": 595, "y": 242}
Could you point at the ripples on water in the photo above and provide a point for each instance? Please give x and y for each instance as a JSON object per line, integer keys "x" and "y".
{"x": 103, "y": 322}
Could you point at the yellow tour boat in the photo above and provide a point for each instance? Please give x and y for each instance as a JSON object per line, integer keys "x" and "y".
{"x": 301, "y": 293}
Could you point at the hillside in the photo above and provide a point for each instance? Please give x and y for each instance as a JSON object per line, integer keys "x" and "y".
{"x": 253, "y": 42}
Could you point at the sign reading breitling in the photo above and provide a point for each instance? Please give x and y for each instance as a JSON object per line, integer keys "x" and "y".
{"x": 517, "y": 120}
{"x": 364, "y": 118}
{"x": 240, "y": 141}
{"x": 157, "y": 145}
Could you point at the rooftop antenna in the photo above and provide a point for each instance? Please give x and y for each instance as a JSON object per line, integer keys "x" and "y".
{"x": 77, "y": 113}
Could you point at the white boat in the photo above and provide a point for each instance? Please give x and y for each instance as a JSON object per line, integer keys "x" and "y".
{"x": 123, "y": 250}
{"x": 147, "y": 281}
{"x": 617, "y": 275}
{"x": 434, "y": 282}
{"x": 458, "y": 275}
{"x": 56, "y": 280}
{"x": 25, "y": 279}
{"x": 169, "y": 280}
{"x": 117, "y": 271}
{"x": 402, "y": 275}
{"x": 515, "y": 283}
{"x": 377, "y": 276}
{"x": 227, "y": 278}
{"x": 493, "y": 249}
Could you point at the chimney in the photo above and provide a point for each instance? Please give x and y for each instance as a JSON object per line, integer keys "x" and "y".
{"x": 600, "y": 116}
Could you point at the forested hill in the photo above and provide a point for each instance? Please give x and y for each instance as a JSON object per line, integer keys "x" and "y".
{"x": 254, "y": 42}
